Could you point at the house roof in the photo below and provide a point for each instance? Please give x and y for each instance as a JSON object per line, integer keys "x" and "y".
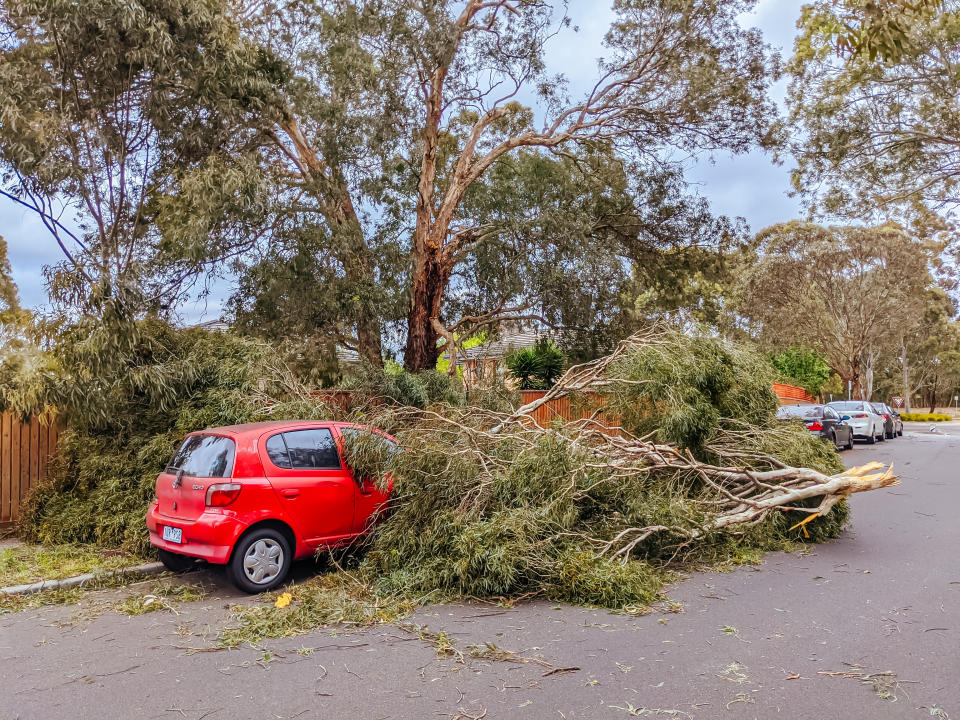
{"x": 505, "y": 345}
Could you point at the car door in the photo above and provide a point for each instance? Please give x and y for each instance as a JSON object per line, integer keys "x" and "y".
{"x": 315, "y": 490}
{"x": 369, "y": 498}
{"x": 841, "y": 430}
{"x": 830, "y": 421}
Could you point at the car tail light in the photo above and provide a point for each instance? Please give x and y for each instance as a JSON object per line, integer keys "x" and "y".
{"x": 860, "y": 415}
{"x": 222, "y": 494}
{"x": 815, "y": 425}
{"x": 886, "y": 417}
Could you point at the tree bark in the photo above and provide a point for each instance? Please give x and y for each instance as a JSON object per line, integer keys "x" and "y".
{"x": 337, "y": 206}
{"x": 426, "y": 296}
{"x": 905, "y": 367}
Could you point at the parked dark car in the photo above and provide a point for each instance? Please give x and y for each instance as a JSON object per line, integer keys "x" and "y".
{"x": 892, "y": 423}
{"x": 823, "y": 421}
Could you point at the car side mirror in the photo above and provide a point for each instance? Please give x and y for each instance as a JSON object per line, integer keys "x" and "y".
{"x": 844, "y": 418}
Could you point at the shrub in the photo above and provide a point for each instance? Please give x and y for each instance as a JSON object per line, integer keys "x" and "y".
{"x": 925, "y": 417}
{"x": 802, "y": 366}
{"x": 537, "y": 367}
{"x": 126, "y": 415}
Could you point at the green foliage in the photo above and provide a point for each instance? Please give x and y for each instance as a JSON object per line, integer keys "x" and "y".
{"x": 849, "y": 291}
{"x": 100, "y": 119}
{"x": 525, "y": 366}
{"x": 537, "y": 367}
{"x": 925, "y": 417}
{"x": 803, "y": 367}
{"x": 330, "y": 598}
{"x": 473, "y": 513}
{"x": 128, "y": 393}
{"x": 477, "y": 514}
{"x": 9, "y": 300}
{"x": 878, "y": 29}
{"x": 688, "y": 387}
{"x": 400, "y": 387}
{"x": 872, "y": 128}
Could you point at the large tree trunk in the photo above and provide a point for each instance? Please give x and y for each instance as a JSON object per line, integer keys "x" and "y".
{"x": 905, "y": 368}
{"x": 430, "y": 279}
{"x": 869, "y": 363}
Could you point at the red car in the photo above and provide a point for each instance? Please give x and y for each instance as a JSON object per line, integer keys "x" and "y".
{"x": 255, "y": 497}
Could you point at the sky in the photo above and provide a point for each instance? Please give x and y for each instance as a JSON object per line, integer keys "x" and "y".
{"x": 750, "y": 186}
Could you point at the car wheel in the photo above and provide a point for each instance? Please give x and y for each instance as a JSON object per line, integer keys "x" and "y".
{"x": 175, "y": 562}
{"x": 873, "y": 437}
{"x": 260, "y": 561}
{"x": 850, "y": 441}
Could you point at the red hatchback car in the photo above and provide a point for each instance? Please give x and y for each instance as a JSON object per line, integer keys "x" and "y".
{"x": 255, "y": 497}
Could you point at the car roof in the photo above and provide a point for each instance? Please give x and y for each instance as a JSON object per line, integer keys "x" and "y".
{"x": 259, "y": 427}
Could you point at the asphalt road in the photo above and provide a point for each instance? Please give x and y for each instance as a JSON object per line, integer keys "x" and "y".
{"x": 867, "y": 626}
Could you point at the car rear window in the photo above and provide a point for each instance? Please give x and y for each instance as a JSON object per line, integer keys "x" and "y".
{"x": 848, "y": 405}
{"x": 304, "y": 450}
{"x": 207, "y": 456}
{"x": 799, "y": 411}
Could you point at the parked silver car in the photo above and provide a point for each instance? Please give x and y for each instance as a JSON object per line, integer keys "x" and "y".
{"x": 866, "y": 422}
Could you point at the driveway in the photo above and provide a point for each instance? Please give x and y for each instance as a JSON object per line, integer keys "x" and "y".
{"x": 867, "y": 626}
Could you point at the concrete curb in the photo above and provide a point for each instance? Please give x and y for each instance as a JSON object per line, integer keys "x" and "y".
{"x": 145, "y": 569}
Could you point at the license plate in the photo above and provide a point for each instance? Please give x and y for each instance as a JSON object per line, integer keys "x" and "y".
{"x": 172, "y": 534}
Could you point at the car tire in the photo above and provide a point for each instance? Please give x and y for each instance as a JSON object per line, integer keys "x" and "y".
{"x": 873, "y": 438}
{"x": 175, "y": 562}
{"x": 260, "y": 561}
{"x": 850, "y": 441}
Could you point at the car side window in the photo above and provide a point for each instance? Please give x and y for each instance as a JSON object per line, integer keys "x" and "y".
{"x": 830, "y": 413}
{"x": 312, "y": 449}
{"x": 277, "y": 451}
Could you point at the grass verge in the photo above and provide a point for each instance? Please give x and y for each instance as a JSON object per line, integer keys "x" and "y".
{"x": 23, "y": 564}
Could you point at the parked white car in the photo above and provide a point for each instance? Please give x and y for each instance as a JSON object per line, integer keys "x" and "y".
{"x": 867, "y": 424}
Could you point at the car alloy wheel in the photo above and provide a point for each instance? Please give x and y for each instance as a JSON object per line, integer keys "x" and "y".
{"x": 263, "y": 561}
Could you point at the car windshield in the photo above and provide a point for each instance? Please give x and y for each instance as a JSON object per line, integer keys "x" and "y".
{"x": 849, "y": 405}
{"x": 352, "y": 433}
{"x": 799, "y": 411}
{"x": 204, "y": 456}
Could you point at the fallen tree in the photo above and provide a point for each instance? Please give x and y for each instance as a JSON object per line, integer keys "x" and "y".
{"x": 492, "y": 503}
{"x": 685, "y": 465}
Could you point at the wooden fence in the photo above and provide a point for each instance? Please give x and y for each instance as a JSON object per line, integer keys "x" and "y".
{"x": 24, "y": 449}
{"x": 561, "y": 408}
{"x": 791, "y": 395}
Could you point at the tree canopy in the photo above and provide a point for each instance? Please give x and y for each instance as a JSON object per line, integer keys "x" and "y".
{"x": 845, "y": 290}
{"x": 877, "y": 132}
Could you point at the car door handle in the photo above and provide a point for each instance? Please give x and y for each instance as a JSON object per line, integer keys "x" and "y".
{"x": 289, "y": 493}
